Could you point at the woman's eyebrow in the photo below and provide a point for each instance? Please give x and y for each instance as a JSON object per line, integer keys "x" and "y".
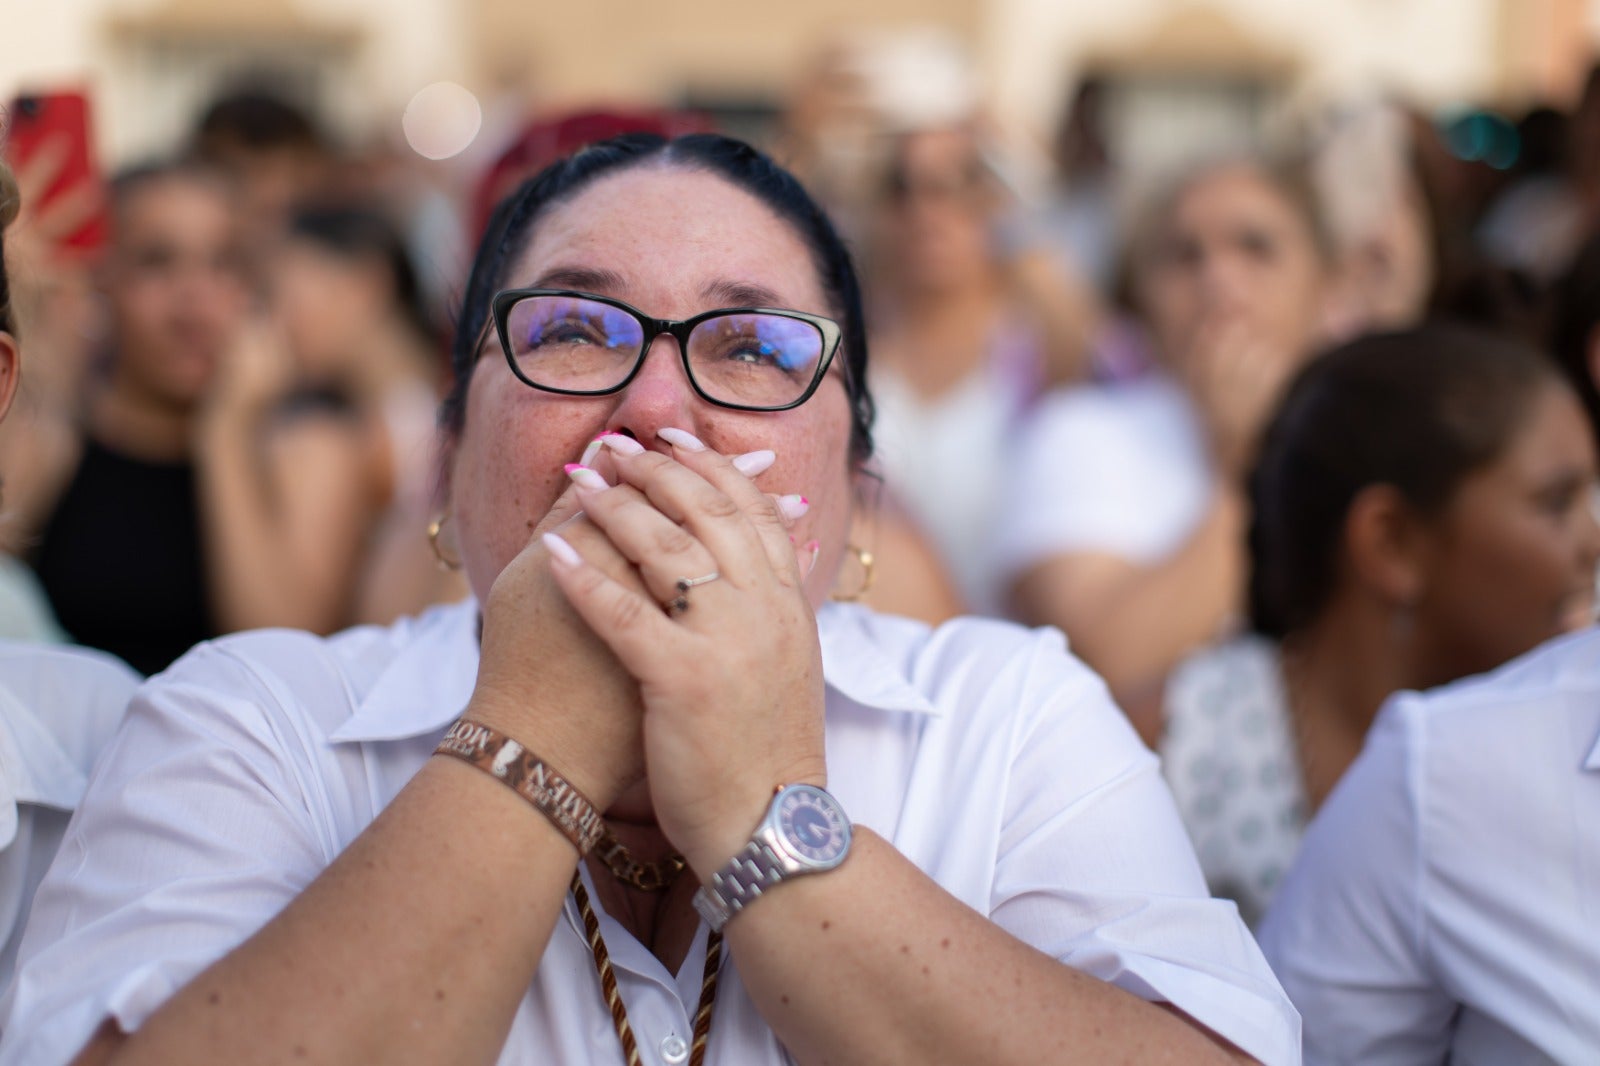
{"x": 739, "y": 294}
{"x": 584, "y": 279}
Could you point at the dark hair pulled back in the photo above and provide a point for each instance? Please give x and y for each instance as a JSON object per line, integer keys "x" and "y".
{"x": 511, "y": 228}
{"x": 1418, "y": 410}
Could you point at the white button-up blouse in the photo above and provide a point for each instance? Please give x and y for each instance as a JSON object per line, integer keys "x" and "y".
{"x": 986, "y": 754}
{"x": 1445, "y": 906}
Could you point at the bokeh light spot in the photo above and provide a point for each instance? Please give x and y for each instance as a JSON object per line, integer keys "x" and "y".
{"x": 441, "y": 120}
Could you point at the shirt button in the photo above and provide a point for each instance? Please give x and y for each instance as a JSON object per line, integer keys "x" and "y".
{"x": 674, "y": 1050}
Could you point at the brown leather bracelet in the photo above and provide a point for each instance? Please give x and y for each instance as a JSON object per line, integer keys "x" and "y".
{"x": 528, "y": 776}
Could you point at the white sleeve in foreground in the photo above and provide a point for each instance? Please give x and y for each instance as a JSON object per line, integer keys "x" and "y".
{"x": 1096, "y": 869}
{"x": 1345, "y": 932}
{"x": 193, "y": 834}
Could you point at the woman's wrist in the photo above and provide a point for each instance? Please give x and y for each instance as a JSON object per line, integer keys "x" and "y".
{"x": 586, "y": 769}
{"x": 711, "y": 847}
{"x": 524, "y": 772}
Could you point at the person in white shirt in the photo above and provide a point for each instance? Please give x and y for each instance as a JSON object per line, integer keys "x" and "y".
{"x": 58, "y": 705}
{"x": 1124, "y": 514}
{"x": 1420, "y": 512}
{"x": 1443, "y": 906}
{"x": 270, "y": 865}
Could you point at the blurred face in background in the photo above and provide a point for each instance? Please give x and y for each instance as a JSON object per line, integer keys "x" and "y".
{"x": 940, "y": 199}
{"x": 1233, "y": 250}
{"x": 173, "y": 286}
{"x": 1511, "y": 560}
{"x": 328, "y": 304}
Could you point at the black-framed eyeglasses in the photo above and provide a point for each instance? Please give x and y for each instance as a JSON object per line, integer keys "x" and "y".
{"x": 580, "y": 344}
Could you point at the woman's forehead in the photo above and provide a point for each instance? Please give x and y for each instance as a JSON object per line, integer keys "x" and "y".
{"x": 669, "y": 234}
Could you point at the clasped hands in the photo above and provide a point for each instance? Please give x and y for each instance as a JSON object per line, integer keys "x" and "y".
{"x": 584, "y": 662}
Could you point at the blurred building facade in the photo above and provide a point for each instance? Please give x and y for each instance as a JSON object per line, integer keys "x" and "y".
{"x": 1204, "y": 66}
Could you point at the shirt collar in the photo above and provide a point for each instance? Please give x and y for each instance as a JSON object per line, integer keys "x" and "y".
{"x": 426, "y": 684}
{"x": 33, "y": 767}
{"x": 857, "y": 665}
{"x": 430, "y": 678}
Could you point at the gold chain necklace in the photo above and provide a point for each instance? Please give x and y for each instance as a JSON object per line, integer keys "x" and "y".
{"x": 613, "y": 997}
{"x": 645, "y": 876}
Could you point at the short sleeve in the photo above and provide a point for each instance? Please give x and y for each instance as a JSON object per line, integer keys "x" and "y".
{"x": 194, "y": 832}
{"x": 1096, "y": 869}
{"x": 1101, "y": 469}
{"x": 1346, "y": 932}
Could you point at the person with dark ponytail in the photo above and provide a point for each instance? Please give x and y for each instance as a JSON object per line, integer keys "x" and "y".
{"x": 1420, "y": 511}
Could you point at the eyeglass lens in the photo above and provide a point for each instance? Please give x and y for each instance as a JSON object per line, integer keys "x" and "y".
{"x": 743, "y": 358}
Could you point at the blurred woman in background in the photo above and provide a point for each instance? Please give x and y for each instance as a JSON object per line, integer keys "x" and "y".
{"x": 1125, "y": 520}
{"x": 230, "y": 471}
{"x": 969, "y": 334}
{"x": 362, "y": 383}
{"x": 111, "y": 513}
{"x": 1420, "y": 512}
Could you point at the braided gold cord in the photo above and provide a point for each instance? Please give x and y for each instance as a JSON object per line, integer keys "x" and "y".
{"x": 608, "y": 976}
{"x": 613, "y": 997}
{"x": 708, "y": 999}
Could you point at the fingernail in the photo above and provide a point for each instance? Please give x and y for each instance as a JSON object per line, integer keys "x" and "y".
{"x": 585, "y": 478}
{"x": 591, "y": 451}
{"x": 620, "y": 443}
{"x": 561, "y": 551}
{"x": 752, "y": 463}
{"x": 815, "y": 548}
{"x": 681, "y": 439}
{"x": 792, "y": 507}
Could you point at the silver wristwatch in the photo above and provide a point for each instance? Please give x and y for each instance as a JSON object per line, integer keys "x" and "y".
{"x": 805, "y": 832}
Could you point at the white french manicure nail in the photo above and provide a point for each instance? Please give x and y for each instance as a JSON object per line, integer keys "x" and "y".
{"x": 590, "y": 452}
{"x": 620, "y": 443}
{"x": 679, "y": 438}
{"x": 752, "y": 463}
{"x": 585, "y": 478}
{"x": 563, "y": 552}
{"x": 793, "y": 506}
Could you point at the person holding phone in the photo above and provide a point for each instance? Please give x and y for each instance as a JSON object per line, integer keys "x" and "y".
{"x": 111, "y": 517}
{"x": 177, "y": 501}
{"x": 649, "y": 793}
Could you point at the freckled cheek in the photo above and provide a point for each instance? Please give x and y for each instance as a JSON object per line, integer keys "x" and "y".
{"x": 508, "y": 473}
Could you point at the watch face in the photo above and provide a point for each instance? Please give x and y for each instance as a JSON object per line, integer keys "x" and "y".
{"x": 812, "y": 825}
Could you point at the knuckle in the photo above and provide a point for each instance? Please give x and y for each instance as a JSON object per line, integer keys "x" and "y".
{"x": 768, "y": 516}
{"x": 627, "y": 612}
{"x": 717, "y": 505}
{"x": 672, "y": 540}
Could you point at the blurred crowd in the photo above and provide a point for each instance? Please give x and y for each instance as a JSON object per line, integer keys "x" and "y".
{"x": 1269, "y": 438}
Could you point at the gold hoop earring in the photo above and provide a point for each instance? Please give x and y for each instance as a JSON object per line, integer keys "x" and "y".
{"x": 435, "y": 528}
{"x": 868, "y": 575}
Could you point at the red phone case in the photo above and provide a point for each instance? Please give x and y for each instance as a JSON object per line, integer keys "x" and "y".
{"x": 34, "y": 119}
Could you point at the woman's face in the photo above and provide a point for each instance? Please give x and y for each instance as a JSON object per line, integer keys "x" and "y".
{"x": 671, "y": 242}
{"x": 937, "y": 212}
{"x": 1233, "y": 250}
{"x": 1512, "y": 558}
{"x": 174, "y": 286}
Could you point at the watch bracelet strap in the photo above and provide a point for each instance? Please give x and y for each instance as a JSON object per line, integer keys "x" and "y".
{"x": 738, "y": 884}
{"x": 529, "y": 776}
